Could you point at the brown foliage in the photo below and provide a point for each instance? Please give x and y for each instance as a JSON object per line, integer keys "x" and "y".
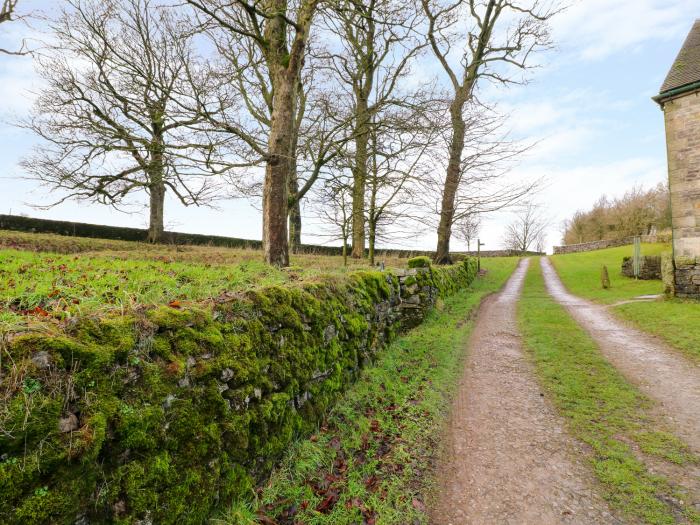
{"x": 637, "y": 212}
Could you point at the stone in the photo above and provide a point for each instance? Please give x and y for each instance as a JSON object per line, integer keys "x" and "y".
{"x": 81, "y": 520}
{"x": 169, "y": 401}
{"x": 119, "y": 508}
{"x": 68, "y": 423}
{"x": 413, "y": 299}
{"x": 184, "y": 382}
{"x": 226, "y": 375}
{"x": 42, "y": 360}
{"x": 329, "y": 333}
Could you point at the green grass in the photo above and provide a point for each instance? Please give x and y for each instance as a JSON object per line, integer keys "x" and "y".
{"x": 677, "y": 321}
{"x": 47, "y": 277}
{"x": 603, "y": 411}
{"x": 371, "y": 461}
{"x": 580, "y": 273}
{"x": 42, "y": 285}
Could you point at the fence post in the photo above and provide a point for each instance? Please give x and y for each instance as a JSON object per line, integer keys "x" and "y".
{"x": 636, "y": 263}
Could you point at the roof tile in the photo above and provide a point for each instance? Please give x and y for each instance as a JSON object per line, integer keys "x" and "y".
{"x": 686, "y": 68}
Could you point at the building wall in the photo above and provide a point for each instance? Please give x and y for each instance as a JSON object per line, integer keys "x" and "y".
{"x": 682, "y": 117}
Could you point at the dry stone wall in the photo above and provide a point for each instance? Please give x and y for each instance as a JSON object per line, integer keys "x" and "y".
{"x": 607, "y": 243}
{"x": 649, "y": 267}
{"x": 164, "y": 415}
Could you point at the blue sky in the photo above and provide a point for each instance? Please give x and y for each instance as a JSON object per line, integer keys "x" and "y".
{"x": 588, "y": 107}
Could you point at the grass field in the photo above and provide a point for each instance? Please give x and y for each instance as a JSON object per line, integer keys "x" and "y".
{"x": 371, "y": 461}
{"x": 580, "y": 273}
{"x": 676, "y": 321}
{"x": 45, "y": 277}
{"x": 603, "y": 411}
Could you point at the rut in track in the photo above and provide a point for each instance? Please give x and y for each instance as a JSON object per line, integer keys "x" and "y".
{"x": 656, "y": 370}
{"x": 507, "y": 457}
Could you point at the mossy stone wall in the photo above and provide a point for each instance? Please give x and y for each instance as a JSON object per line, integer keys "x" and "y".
{"x": 163, "y": 416}
{"x": 686, "y": 277}
{"x": 649, "y": 267}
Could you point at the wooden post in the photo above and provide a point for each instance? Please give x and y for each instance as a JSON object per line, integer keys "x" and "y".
{"x": 479, "y": 244}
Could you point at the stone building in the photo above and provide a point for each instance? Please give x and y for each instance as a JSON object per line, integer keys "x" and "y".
{"x": 679, "y": 99}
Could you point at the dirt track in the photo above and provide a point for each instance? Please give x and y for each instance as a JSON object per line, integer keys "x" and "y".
{"x": 658, "y": 371}
{"x": 508, "y": 458}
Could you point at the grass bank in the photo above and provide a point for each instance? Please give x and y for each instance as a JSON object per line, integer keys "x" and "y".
{"x": 371, "y": 461}
{"x": 677, "y": 321}
{"x": 604, "y": 411}
{"x": 580, "y": 273}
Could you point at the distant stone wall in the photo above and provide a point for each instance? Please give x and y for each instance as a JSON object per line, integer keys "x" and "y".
{"x": 608, "y": 243}
{"x": 501, "y": 253}
{"x": 649, "y": 267}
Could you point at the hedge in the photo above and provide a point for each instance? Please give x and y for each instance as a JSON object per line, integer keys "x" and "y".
{"x": 165, "y": 415}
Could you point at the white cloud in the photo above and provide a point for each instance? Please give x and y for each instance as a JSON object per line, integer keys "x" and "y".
{"x": 595, "y": 29}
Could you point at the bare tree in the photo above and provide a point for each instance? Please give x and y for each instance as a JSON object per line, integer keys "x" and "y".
{"x": 276, "y": 32}
{"x": 467, "y": 229}
{"x": 334, "y": 208}
{"x": 483, "y": 182}
{"x": 113, "y": 116}
{"x": 527, "y": 230}
{"x": 377, "y": 42}
{"x": 398, "y": 147}
{"x": 8, "y": 13}
{"x": 321, "y": 137}
{"x": 494, "y": 35}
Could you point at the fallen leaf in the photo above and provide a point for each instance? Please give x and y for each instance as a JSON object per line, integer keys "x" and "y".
{"x": 328, "y": 502}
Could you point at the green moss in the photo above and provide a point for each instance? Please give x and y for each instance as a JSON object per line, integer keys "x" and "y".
{"x": 419, "y": 262}
{"x": 179, "y": 409}
{"x": 682, "y": 260}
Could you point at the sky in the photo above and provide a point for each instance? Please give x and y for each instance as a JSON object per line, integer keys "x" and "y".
{"x": 587, "y": 107}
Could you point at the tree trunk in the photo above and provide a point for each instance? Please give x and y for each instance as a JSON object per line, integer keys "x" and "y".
{"x": 275, "y": 202}
{"x": 156, "y": 224}
{"x": 372, "y": 212}
{"x": 156, "y": 186}
{"x": 294, "y": 206}
{"x": 345, "y": 249}
{"x": 372, "y": 235}
{"x": 452, "y": 178}
{"x": 360, "y": 178}
{"x": 294, "y": 213}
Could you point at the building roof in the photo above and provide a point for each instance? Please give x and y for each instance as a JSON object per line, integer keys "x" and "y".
{"x": 685, "y": 70}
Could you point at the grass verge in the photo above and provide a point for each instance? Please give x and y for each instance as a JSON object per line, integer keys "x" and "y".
{"x": 371, "y": 461}
{"x": 603, "y": 411}
{"x": 580, "y": 273}
{"x": 676, "y": 321}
